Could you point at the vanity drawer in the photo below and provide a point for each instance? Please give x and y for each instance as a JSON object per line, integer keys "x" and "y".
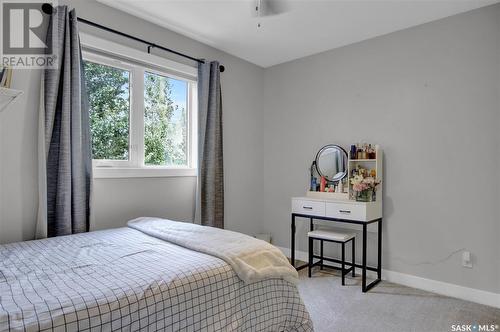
{"x": 346, "y": 211}
{"x": 313, "y": 208}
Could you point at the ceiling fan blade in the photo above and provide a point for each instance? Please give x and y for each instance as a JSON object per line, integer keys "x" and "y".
{"x": 275, "y": 7}
{"x": 261, "y": 8}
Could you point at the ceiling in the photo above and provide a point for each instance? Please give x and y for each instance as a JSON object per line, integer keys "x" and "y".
{"x": 307, "y": 27}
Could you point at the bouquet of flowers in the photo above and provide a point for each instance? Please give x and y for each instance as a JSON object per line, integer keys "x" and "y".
{"x": 364, "y": 186}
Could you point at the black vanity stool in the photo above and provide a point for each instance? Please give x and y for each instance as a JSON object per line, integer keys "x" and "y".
{"x": 332, "y": 236}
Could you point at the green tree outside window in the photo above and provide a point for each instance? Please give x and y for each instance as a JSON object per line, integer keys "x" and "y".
{"x": 165, "y": 116}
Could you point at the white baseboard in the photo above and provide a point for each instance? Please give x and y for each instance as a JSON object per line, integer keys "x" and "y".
{"x": 438, "y": 287}
{"x": 443, "y": 288}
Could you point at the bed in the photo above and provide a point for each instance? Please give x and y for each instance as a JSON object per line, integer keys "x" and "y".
{"x": 125, "y": 279}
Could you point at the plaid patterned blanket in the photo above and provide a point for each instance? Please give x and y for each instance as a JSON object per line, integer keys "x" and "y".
{"x": 125, "y": 280}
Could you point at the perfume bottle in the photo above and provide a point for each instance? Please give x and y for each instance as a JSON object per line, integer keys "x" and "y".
{"x": 313, "y": 184}
{"x": 353, "y": 152}
{"x": 322, "y": 186}
{"x": 359, "y": 153}
{"x": 340, "y": 187}
{"x": 364, "y": 155}
{"x": 371, "y": 152}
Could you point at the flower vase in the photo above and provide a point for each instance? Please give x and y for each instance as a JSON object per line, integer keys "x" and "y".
{"x": 364, "y": 196}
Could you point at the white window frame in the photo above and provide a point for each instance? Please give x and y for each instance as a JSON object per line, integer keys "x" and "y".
{"x": 108, "y": 53}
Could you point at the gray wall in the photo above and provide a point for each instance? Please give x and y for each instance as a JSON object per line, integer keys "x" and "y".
{"x": 429, "y": 96}
{"x": 117, "y": 200}
{"x": 18, "y": 182}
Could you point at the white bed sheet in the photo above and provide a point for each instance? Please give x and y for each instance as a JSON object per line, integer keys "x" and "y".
{"x": 123, "y": 279}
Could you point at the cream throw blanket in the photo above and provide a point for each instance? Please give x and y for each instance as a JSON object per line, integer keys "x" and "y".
{"x": 250, "y": 258}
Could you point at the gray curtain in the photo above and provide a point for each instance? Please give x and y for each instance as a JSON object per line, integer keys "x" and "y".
{"x": 210, "y": 155}
{"x": 66, "y": 131}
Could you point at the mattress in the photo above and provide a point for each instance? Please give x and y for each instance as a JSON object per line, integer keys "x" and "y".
{"x": 123, "y": 279}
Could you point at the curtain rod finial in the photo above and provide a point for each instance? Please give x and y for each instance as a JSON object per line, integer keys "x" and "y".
{"x": 47, "y": 8}
{"x": 222, "y": 68}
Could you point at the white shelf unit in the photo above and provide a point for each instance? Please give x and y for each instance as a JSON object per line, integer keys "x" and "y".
{"x": 7, "y": 96}
{"x": 367, "y": 164}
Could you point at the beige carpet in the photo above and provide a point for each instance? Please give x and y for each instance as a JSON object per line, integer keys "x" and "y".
{"x": 386, "y": 308}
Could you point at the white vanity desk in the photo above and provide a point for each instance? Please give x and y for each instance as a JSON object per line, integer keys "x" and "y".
{"x": 342, "y": 211}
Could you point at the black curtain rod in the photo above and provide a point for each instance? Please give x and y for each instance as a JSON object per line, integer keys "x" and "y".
{"x": 150, "y": 44}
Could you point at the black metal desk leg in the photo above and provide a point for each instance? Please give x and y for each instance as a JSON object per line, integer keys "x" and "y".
{"x": 292, "y": 246}
{"x": 310, "y": 259}
{"x": 321, "y": 254}
{"x": 353, "y": 245}
{"x": 366, "y": 287}
{"x": 343, "y": 264}
{"x": 379, "y": 266}
{"x": 363, "y": 273}
{"x": 292, "y": 254}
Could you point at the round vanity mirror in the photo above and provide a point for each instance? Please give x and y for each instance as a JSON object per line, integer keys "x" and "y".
{"x": 331, "y": 162}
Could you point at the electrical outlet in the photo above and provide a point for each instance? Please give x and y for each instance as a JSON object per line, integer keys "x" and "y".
{"x": 466, "y": 259}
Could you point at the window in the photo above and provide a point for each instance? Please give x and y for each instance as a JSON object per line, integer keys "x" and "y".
{"x": 165, "y": 120}
{"x": 109, "y": 100}
{"x": 142, "y": 118}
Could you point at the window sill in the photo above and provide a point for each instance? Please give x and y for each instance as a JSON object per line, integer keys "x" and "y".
{"x": 127, "y": 172}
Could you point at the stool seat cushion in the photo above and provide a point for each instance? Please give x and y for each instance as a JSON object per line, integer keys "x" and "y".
{"x": 331, "y": 235}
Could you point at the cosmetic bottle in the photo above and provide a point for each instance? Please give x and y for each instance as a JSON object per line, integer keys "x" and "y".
{"x": 371, "y": 152}
{"x": 359, "y": 153}
{"x": 340, "y": 187}
{"x": 353, "y": 151}
{"x": 364, "y": 155}
{"x": 322, "y": 186}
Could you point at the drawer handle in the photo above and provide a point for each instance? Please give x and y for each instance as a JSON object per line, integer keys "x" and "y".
{"x": 345, "y": 211}
{"x": 307, "y": 207}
